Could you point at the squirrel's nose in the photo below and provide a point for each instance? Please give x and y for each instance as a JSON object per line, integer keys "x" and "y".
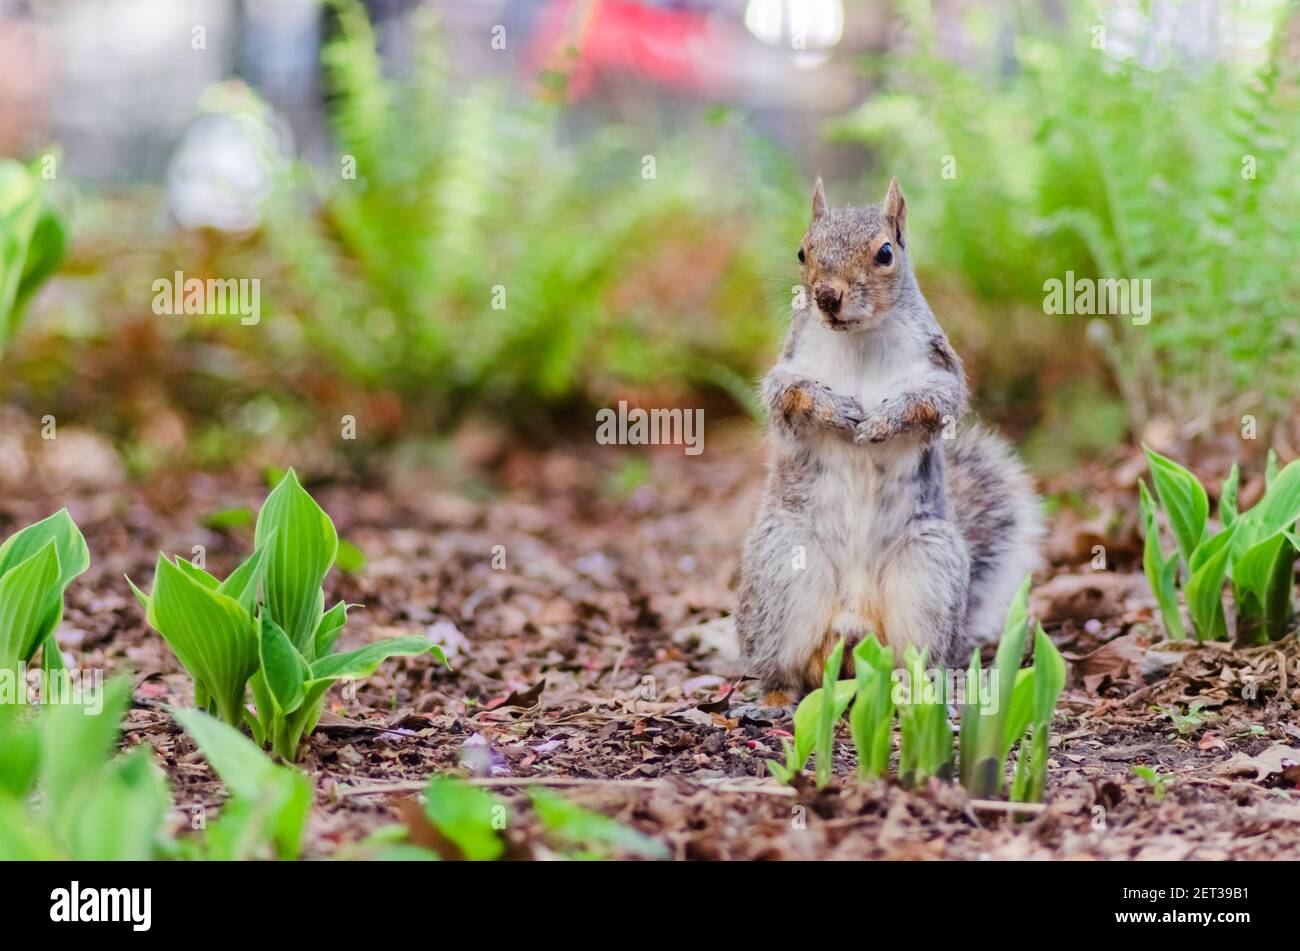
{"x": 828, "y": 300}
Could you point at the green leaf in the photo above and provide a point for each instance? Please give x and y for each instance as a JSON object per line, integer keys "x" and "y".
{"x": 1280, "y": 507}
{"x": 350, "y": 558}
{"x": 1021, "y": 713}
{"x": 873, "y": 706}
{"x": 20, "y": 751}
{"x": 787, "y": 770}
{"x": 78, "y": 738}
{"x": 32, "y": 242}
{"x": 244, "y": 581}
{"x": 1030, "y": 780}
{"x": 808, "y": 715}
{"x": 1228, "y": 497}
{"x": 1270, "y": 469}
{"x": 27, "y": 592}
{"x": 985, "y": 773}
{"x": 1211, "y": 546}
{"x": 199, "y": 575}
{"x": 1262, "y": 582}
{"x": 330, "y": 627}
{"x": 969, "y": 731}
{"x": 467, "y": 816}
{"x": 1184, "y": 500}
{"x": 1161, "y": 572}
{"x": 140, "y": 596}
{"x": 120, "y": 817}
{"x": 828, "y": 716}
{"x": 302, "y": 545}
{"x": 229, "y": 518}
{"x": 1205, "y": 596}
{"x": 366, "y": 660}
{"x": 1049, "y": 677}
{"x": 210, "y": 633}
{"x": 925, "y": 736}
{"x": 284, "y": 672}
{"x": 591, "y": 830}
{"x": 73, "y": 558}
{"x": 51, "y": 658}
{"x": 269, "y": 802}
{"x": 45, "y": 250}
{"x": 21, "y": 840}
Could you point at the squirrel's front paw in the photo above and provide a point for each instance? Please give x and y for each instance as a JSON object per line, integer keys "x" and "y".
{"x": 843, "y": 412}
{"x": 874, "y": 429}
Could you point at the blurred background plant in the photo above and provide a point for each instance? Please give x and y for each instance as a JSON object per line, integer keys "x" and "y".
{"x": 448, "y": 231}
{"x": 1112, "y": 141}
{"x": 32, "y": 241}
{"x": 465, "y": 256}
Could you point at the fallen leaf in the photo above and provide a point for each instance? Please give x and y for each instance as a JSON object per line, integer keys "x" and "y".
{"x": 1119, "y": 660}
{"x": 527, "y": 698}
{"x": 1097, "y": 594}
{"x": 1277, "y": 759}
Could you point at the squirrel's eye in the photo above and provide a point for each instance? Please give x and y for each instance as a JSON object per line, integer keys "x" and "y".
{"x": 885, "y": 255}
{"x": 801, "y": 255}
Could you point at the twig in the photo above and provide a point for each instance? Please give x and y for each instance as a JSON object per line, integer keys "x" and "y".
{"x": 381, "y": 789}
{"x": 995, "y": 805}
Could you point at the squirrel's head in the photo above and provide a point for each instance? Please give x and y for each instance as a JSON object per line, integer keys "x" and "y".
{"x": 855, "y": 259}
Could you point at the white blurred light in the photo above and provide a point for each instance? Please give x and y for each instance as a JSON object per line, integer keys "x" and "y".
{"x": 225, "y": 164}
{"x": 809, "y": 27}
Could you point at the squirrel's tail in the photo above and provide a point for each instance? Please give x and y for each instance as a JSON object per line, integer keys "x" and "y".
{"x": 999, "y": 514}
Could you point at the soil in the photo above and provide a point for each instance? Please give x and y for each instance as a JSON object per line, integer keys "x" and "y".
{"x": 585, "y": 618}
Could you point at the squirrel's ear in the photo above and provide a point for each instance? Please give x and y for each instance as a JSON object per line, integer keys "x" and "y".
{"x": 896, "y": 212}
{"x": 819, "y": 199}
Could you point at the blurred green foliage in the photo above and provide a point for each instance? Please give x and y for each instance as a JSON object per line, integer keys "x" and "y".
{"x": 32, "y": 241}
{"x": 473, "y": 249}
{"x": 1064, "y": 157}
{"x": 465, "y": 252}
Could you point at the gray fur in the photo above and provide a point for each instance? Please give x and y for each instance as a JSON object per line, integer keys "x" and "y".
{"x": 872, "y": 521}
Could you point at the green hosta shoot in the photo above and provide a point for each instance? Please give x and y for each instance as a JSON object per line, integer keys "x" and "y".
{"x": 267, "y": 810}
{"x": 589, "y": 835}
{"x": 469, "y": 823}
{"x": 65, "y": 793}
{"x": 828, "y": 714}
{"x": 814, "y": 724}
{"x": 280, "y": 646}
{"x": 471, "y": 819}
{"x": 1156, "y": 781}
{"x": 1047, "y": 677}
{"x": 984, "y": 739}
{"x": 925, "y": 736}
{"x": 32, "y": 242}
{"x": 92, "y": 805}
{"x": 1255, "y": 551}
{"x": 36, "y": 566}
{"x": 872, "y": 714}
{"x": 1161, "y": 572}
{"x": 1012, "y": 705}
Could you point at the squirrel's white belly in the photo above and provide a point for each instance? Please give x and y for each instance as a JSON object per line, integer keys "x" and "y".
{"x": 861, "y": 507}
{"x": 859, "y": 514}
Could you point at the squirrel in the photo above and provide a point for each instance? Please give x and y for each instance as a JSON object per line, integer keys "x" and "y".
{"x": 878, "y": 516}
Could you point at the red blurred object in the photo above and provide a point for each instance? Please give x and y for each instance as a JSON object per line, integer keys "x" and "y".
{"x": 586, "y": 38}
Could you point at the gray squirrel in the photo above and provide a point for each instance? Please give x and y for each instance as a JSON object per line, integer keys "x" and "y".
{"x": 880, "y": 514}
